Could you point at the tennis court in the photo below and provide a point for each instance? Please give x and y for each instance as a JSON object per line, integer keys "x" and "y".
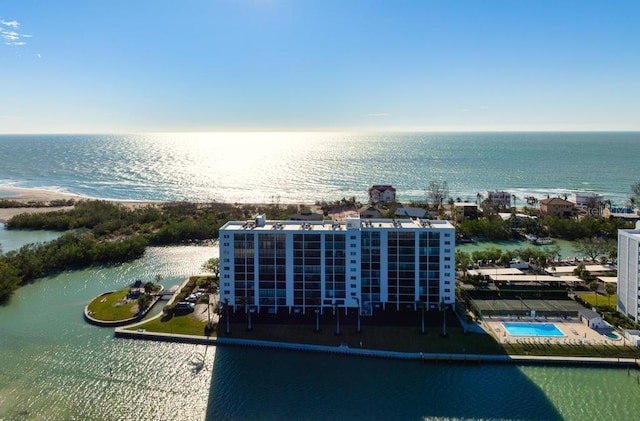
{"x": 527, "y": 307}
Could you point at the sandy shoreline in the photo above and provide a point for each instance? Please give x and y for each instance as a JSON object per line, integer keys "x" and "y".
{"x": 24, "y": 195}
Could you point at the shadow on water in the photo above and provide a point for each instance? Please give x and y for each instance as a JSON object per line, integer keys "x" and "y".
{"x": 266, "y": 384}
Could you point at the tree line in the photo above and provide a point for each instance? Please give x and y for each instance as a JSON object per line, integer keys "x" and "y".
{"x": 100, "y": 232}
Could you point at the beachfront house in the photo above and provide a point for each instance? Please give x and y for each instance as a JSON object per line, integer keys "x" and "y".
{"x": 289, "y": 268}
{"x": 368, "y": 212}
{"x": 465, "y": 210}
{"x": 498, "y": 199}
{"x": 382, "y": 194}
{"x": 587, "y": 200}
{"x": 306, "y": 215}
{"x": 411, "y": 212}
{"x": 558, "y": 207}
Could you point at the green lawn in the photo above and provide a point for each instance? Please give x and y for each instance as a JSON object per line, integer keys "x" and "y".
{"x": 104, "y": 307}
{"x": 590, "y": 297}
{"x": 388, "y": 338}
{"x": 182, "y": 324}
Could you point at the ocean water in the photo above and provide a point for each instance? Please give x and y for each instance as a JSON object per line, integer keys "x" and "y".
{"x": 294, "y": 167}
{"x": 54, "y": 366}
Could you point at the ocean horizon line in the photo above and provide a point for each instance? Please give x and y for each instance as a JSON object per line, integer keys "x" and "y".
{"x": 321, "y": 130}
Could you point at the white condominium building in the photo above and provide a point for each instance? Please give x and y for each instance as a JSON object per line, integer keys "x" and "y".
{"x": 294, "y": 267}
{"x": 629, "y": 271}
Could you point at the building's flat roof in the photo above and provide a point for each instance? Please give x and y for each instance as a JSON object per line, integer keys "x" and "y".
{"x": 329, "y": 225}
{"x": 634, "y": 233}
{"x": 590, "y": 268}
{"x": 608, "y": 279}
{"x": 533, "y": 278}
{"x": 496, "y": 271}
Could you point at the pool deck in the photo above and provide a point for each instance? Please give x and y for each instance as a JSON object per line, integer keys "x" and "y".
{"x": 574, "y": 330}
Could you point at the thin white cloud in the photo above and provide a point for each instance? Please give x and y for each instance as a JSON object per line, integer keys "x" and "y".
{"x": 13, "y": 23}
{"x": 10, "y": 35}
{"x": 378, "y": 115}
{"x": 8, "y": 32}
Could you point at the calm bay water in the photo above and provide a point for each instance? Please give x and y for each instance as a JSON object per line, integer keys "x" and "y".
{"x": 55, "y": 366}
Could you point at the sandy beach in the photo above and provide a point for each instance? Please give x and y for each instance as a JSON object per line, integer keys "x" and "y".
{"x": 46, "y": 196}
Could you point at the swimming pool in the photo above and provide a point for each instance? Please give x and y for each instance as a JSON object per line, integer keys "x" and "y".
{"x": 533, "y": 329}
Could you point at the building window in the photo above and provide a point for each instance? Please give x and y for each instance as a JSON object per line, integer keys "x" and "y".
{"x": 447, "y": 258}
{"x": 446, "y": 243}
{"x": 353, "y": 237}
{"x": 353, "y": 262}
{"x": 353, "y": 246}
{"x": 353, "y": 285}
{"x": 225, "y": 236}
{"x": 353, "y": 278}
{"x": 353, "y": 253}
{"x": 447, "y": 234}
{"x": 447, "y": 290}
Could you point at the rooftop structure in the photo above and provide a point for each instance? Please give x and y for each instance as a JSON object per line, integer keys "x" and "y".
{"x": 291, "y": 267}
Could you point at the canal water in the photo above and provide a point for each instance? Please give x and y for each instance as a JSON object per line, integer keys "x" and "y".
{"x": 54, "y": 366}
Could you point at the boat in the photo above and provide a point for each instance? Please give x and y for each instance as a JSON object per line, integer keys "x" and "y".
{"x": 544, "y": 240}
{"x": 530, "y": 237}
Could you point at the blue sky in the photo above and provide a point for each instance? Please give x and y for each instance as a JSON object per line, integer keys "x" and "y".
{"x": 194, "y": 65}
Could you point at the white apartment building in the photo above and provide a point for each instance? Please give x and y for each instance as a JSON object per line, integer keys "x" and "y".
{"x": 293, "y": 267}
{"x": 629, "y": 272}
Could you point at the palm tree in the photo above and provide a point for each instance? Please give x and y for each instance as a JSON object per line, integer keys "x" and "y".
{"x": 478, "y": 198}
{"x": 514, "y": 199}
{"x": 593, "y": 286}
{"x": 610, "y": 289}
